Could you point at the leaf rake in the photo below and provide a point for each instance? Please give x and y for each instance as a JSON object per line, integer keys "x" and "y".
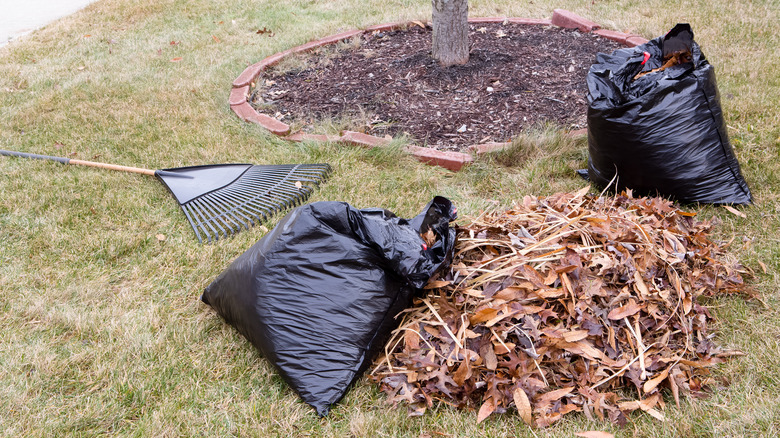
{"x": 221, "y": 199}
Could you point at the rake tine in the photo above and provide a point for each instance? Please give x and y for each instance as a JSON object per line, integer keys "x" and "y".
{"x": 203, "y": 217}
{"x": 185, "y": 209}
{"x": 318, "y": 166}
{"x": 271, "y": 179}
{"x": 284, "y": 202}
{"x": 268, "y": 193}
{"x": 217, "y": 218}
{"x": 260, "y": 205}
{"x": 243, "y": 213}
{"x": 237, "y": 198}
{"x": 199, "y": 224}
{"x": 219, "y": 214}
{"x": 283, "y": 199}
{"x": 205, "y": 221}
{"x": 313, "y": 177}
{"x": 289, "y": 189}
{"x": 257, "y": 204}
{"x": 293, "y": 174}
{"x": 254, "y": 199}
{"x": 237, "y": 209}
{"x": 212, "y": 218}
{"x": 314, "y": 172}
{"x": 321, "y": 170}
{"x": 206, "y": 214}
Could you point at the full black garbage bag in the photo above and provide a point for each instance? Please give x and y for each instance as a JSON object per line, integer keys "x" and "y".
{"x": 662, "y": 133}
{"x": 318, "y": 295}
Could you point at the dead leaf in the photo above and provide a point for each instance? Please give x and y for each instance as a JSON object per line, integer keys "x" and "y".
{"x": 655, "y": 413}
{"x": 215, "y": 38}
{"x": 631, "y": 308}
{"x": 523, "y": 405}
{"x": 161, "y": 237}
{"x": 687, "y": 304}
{"x": 487, "y": 408}
{"x": 734, "y": 211}
{"x": 500, "y": 33}
{"x": 489, "y": 357}
{"x": 418, "y": 23}
{"x": 576, "y": 335}
{"x": 673, "y": 385}
{"x": 640, "y": 284}
{"x": 594, "y": 434}
{"x": 411, "y": 339}
{"x": 555, "y": 395}
{"x": 177, "y": 59}
{"x": 463, "y": 372}
{"x": 436, "y": 284}
{"x": 655, "y": 381}
{"x": 483, "y": 315}
{"x": 417, "y": 409}
{"x": 429, "y": 237}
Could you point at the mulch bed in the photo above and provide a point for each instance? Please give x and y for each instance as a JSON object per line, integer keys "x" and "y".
{"x": 568, "y": 303}
{"x": 518, "y": 76}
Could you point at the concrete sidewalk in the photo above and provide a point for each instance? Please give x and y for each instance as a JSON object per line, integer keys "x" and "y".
{"x": 20, "y": 17}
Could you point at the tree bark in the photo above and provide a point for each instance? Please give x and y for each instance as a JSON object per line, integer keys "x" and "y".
{"x": 450, "y": 32}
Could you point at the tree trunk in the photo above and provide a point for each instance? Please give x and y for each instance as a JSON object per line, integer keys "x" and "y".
{"x": 450, "y": 32}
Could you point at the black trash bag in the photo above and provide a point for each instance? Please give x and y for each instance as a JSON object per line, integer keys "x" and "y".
{"x": 664, "y": 132}
{"x": 318, "y": 295}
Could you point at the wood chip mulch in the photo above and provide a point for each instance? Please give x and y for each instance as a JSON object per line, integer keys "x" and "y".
{"x": 569, "y": 303}
{"x": 518, "y": 76}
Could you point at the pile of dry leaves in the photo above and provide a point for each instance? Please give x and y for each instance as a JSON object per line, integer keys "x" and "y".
{"x": 566, "y": 303}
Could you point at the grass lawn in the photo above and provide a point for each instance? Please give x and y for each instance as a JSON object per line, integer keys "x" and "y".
{"x": 102, "y": 329}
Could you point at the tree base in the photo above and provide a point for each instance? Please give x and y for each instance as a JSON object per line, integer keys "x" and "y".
{"x": 450, "y": 32}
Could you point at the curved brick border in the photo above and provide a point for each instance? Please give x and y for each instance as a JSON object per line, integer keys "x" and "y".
{"x": 449, "y": 160}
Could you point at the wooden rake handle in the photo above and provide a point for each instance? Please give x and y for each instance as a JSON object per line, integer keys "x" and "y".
{"x": 64, "y": 160}
{"x": 113, "y": 167}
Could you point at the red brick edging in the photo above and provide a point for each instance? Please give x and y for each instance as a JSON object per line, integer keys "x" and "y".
{"x": 449, "y": 160}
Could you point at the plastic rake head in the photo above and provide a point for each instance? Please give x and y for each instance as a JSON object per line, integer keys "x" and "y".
{"x": 222, "y": 200}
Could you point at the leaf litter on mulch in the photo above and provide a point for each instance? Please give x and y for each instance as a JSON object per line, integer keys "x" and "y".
{"x": 567, "y": 303}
